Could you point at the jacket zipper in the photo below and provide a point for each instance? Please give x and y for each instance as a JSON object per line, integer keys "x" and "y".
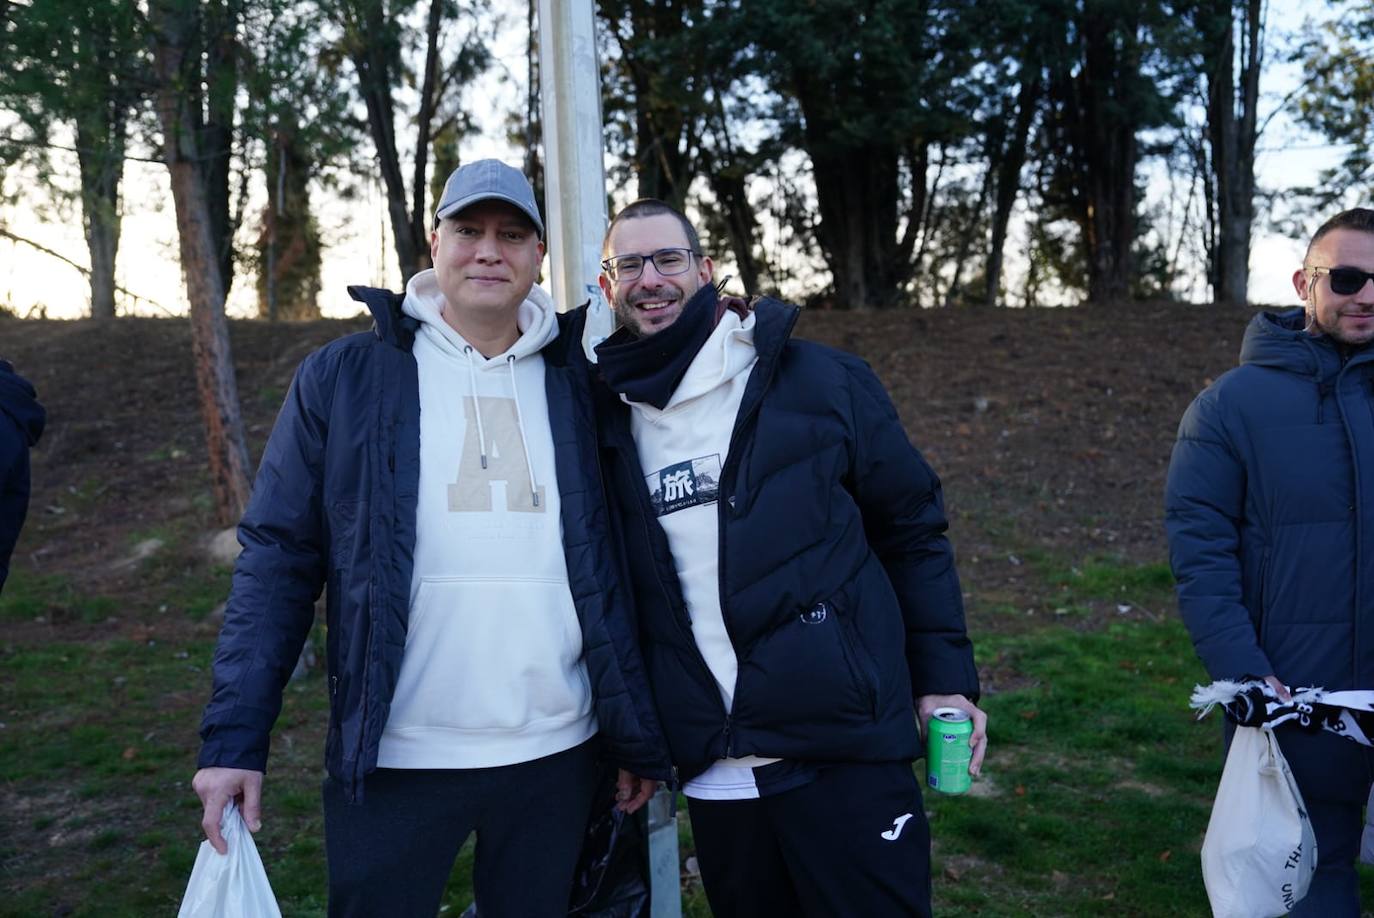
{"x": 727, "y": 474}
{"x": 727, "y": 498}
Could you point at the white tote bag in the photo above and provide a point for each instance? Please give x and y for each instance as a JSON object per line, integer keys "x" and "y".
{"x": 1259, "y": 854}
{"x": 232, "y": 885}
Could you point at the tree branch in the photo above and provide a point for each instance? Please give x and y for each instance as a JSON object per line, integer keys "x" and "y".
{"x": 82, "y": 268}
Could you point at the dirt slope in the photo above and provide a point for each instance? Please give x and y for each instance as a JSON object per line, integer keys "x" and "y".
{"x": 1050, "y": 428}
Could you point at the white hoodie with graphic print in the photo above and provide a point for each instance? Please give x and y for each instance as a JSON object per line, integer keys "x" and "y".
{"x": 492, "y": 672}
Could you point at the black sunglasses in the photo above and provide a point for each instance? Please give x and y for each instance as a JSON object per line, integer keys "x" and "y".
{"x": 1344, "y": 281}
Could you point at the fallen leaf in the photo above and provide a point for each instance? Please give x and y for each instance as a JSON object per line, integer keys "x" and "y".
{"x": 1164, "y": 856}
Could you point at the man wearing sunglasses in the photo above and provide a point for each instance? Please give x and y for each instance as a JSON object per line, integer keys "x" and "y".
{"x": 797, "y": 600}
{"x": 1270, "y": 514}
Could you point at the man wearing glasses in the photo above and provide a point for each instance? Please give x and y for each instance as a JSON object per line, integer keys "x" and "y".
{"x": 797, "y": 601}
{"x": 1270, "y": 514}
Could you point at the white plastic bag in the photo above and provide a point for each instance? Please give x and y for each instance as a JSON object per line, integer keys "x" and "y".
{"x": 1259, "y": 854}
{"x": 232, "y": 885}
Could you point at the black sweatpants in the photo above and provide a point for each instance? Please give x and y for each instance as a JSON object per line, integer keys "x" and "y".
{"x": 391, "y": 854}
{"x": 854, "y": 841}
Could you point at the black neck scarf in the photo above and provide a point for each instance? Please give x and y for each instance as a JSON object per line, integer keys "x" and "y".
{"x": 649, "y": 369}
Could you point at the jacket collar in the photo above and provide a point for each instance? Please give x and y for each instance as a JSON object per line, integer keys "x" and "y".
{"x": 774, "y": 323}
{"x": 1280, "y": 340}
{"x": 388, "y": 322}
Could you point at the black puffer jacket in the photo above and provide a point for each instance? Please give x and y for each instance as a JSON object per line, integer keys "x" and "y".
{"x": 837, "y": 584}
{"x": 21, "y": 424}
{"x": 1270, "y": 511}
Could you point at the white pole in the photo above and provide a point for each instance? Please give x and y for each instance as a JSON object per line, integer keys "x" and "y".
{"x": 575, "y": 205}
{"x": 574, "y": 175}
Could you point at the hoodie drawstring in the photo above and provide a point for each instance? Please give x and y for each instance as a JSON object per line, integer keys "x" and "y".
{"x": 524, "y": 439}
{"x": 477, "y": 406}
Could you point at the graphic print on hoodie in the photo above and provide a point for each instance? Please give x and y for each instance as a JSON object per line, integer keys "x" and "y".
{"x": 492, "y": 672}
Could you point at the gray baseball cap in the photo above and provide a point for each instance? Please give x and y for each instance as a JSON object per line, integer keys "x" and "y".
{"x": 484, "y": 180}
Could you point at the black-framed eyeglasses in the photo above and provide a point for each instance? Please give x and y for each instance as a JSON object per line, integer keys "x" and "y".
{"x": 1344, "y": 281}
{"x": 667, "y": 262}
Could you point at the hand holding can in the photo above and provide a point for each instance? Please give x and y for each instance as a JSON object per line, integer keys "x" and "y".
{"x": 948, "y": 753}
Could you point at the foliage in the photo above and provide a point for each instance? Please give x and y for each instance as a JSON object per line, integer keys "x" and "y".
{"x": 74, "y": 78}
{"x": 298, "y": 130}
{"x": 1111, "y": 74}
{"x": 1337, "y": 100}
{"x": 375, "y": 36}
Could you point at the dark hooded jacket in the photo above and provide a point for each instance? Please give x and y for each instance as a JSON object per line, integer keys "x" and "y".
{"x": 837, "y": 584}
{"x": 21, "y": 424}
{"x": 334, "y": 504}
{"x": 1270, "y": 511}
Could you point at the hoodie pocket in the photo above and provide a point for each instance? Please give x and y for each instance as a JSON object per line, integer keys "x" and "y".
{"x": 491, "y": 655}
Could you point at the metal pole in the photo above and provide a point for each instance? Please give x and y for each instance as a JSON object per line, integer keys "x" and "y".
{"x": 574, "y": 175}
{"x": 575, "y": 205}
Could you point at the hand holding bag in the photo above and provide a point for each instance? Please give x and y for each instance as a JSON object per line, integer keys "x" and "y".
{"x": 232, "y": 885}
{"x": 1259, "y": 853}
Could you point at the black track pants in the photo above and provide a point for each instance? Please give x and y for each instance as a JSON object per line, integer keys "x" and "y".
{"x": 852, "y": 842}
{"x": 391, "y": 855}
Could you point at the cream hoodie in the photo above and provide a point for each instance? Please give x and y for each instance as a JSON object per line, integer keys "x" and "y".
{"x": 682, "y": 450}
{"x": 492, "y": 672}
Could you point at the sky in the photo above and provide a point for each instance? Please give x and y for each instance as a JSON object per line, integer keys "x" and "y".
{"x": 358, "y": 236}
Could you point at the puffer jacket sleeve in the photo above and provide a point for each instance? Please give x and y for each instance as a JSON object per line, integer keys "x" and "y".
{"x": 1203, "y": 506}
{"x": 14, "y": 489}
{"x": 903, "y": 510}
{"x": 279, "y": 575}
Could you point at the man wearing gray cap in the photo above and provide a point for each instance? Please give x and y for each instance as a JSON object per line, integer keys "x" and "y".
{"x": 434, "y": 475}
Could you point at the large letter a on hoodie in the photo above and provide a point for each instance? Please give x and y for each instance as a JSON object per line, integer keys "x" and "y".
{"x": 506, "y": 462}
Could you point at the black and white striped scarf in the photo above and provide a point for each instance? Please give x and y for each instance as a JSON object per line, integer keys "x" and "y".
{"x": 1254, "y": 703}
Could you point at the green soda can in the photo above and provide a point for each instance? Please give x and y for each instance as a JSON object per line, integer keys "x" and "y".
{"x": 948, "y": 752}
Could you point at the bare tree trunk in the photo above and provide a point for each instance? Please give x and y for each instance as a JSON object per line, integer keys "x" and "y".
{"x": 100, "y": 153}
{"x": 289, "y": 245}
{"x": 952, "y": 293}
{"x": 665, "y": 131}
{"x": 1101, "y": 149}
{"x": 1232, "y": 135}
{"x": 374, "y": 49}
{"x": 728, "y": 178}
{"x": 1009, "y": 166}
{"x": 101, "y": 127}
{"x": 174, "y": 25}
{"x": 857, "y": 198}
{"x": 215, "y": 140}
{"x": 424, "y": 122}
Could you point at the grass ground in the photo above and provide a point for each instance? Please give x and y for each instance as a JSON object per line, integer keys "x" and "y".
{"x": 1093, "y": 802}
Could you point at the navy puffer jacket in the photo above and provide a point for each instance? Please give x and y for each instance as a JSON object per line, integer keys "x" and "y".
{"x": 837, "y": 584}
{"x": 21, "y": 424}
{"x": 334, "y": 503}
{"x": 1270, "y": 511}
